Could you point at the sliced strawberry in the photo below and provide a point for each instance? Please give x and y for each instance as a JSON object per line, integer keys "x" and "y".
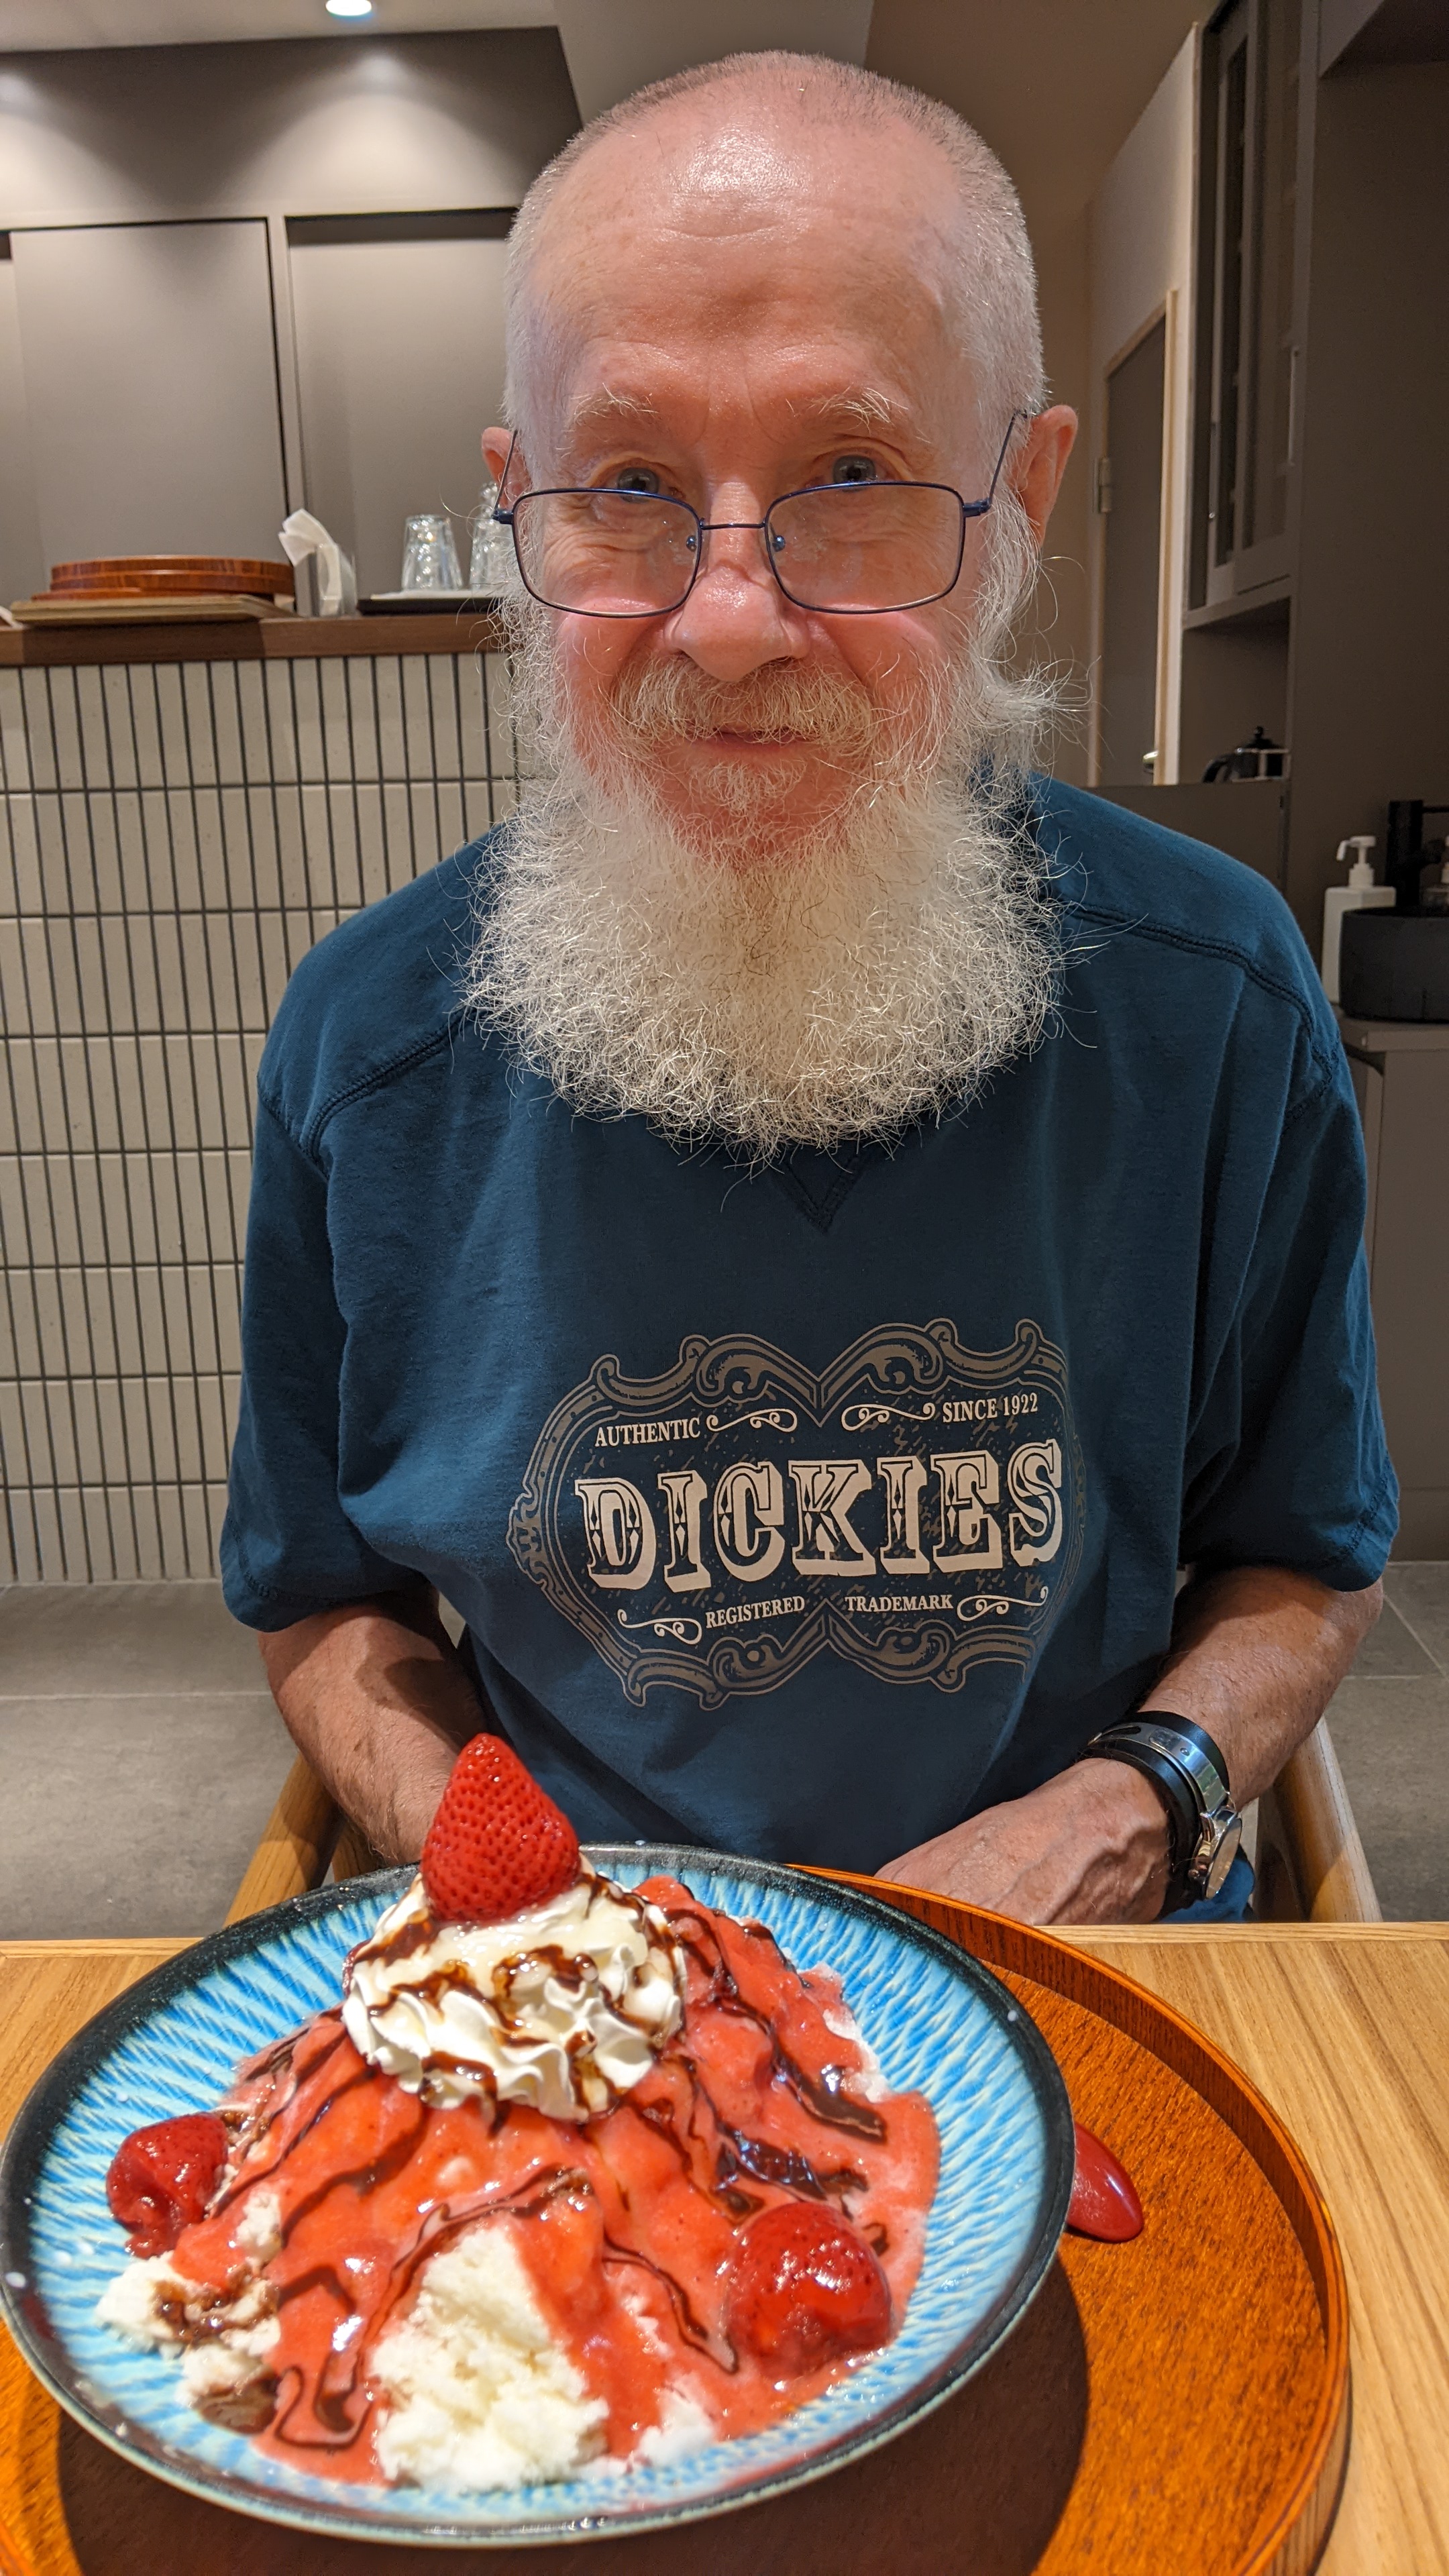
{"x": 804, "y": 2288}
{"x": 161, "y": 2178}
{"x": 497, "y": 1843}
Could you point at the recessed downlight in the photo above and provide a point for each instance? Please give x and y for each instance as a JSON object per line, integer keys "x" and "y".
{"x": 349, "y": 8}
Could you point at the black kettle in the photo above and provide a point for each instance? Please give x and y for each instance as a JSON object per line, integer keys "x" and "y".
{"x": 1260, "y": 758}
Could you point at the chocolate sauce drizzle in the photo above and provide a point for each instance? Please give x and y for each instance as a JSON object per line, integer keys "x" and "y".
{"x": 340, "y": 2403}
{"x": 823, "y": 2095}
{"x": 563, "y": 1966}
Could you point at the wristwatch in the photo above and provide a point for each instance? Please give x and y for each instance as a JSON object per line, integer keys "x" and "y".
{"x": 1185, "y": 1766}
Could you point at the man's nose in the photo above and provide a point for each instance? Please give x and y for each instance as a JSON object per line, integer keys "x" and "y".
{"x": 736, "y": 618}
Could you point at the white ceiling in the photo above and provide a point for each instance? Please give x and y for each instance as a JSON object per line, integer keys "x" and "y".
{"x": 1053, "y": 85}
{"x": 43, "y": 25}
{"x": 611, "y": 46}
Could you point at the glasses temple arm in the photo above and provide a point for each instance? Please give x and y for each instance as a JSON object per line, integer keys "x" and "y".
{"x": 1001, "y": 460}
{"x": 505, "y": 517}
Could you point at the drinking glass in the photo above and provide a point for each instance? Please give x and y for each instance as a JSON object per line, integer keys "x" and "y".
{"x": 430, "y": 558}
{"x": 492, "y": 570}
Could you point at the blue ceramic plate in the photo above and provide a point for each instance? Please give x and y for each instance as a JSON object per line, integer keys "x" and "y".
{"x": 939, "y": 2022}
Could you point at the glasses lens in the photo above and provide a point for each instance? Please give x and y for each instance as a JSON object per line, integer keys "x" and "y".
{"x": 606, "y": 554}
{"x": 866, "y": 545}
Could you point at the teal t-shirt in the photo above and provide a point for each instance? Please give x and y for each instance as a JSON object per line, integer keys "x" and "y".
{"x": 804, "y": 1511}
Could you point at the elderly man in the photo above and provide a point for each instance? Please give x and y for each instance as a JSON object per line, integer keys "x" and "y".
{"x": 802, "y": 1234}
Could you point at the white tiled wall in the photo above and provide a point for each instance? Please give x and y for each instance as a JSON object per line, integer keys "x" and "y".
{"x": 174, "y": 836}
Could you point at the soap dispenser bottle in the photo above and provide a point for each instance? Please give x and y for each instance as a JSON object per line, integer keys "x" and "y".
{"x": 1361, "y": 894}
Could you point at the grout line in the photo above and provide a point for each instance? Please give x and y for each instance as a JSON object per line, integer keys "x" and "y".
{"x": 28, "y": 1699}
{"x": 1371, "y": 1681}
{"x": 1402, "y": 1614}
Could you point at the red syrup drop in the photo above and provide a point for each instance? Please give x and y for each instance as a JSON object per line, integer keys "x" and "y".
{"x": 1104, "y": 2200}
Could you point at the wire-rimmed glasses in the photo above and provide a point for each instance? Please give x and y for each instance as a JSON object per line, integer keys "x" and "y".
{"x": 850, "y": 549}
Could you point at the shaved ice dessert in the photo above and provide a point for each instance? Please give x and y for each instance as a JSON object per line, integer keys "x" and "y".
{"x": 574, "y": 2177}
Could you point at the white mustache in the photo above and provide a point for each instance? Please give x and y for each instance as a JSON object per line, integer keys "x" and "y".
{"x": 658, "y": 702}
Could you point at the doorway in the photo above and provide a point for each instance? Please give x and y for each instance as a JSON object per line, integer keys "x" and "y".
{"x": 1130, "y": 494}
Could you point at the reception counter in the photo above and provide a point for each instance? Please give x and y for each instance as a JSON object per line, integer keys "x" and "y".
{"x": 184, "y": 810}
{"x": 247, "y": 639}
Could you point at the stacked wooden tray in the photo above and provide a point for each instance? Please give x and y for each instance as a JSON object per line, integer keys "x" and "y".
{"x": 110, "y": 590}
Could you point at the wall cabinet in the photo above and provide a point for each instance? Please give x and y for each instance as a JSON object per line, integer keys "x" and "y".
{"x": 1318, "y": 510}
{"x": 1248, "y": 301}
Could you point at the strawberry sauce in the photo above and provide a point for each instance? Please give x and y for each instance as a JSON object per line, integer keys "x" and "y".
{"x": 634, "y": 2228}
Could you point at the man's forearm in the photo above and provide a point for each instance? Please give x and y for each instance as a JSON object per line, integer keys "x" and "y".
{"x": 378, "y": 1700}
{"x": 1257, "y": 1654}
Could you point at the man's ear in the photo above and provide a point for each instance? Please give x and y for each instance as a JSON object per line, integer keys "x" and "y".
{"x": 496, "y": 444}
{"x": 1037, "y": 474}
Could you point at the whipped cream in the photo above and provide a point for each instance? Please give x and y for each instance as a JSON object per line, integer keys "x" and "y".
{"x": 563, "y": 2006}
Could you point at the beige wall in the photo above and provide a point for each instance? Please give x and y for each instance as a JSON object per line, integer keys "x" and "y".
{"x": 257, "y": 134}
{"x": 1060, "y": 631}
{"x": 1054, "y": 87}
{"x": 372, "y": 125}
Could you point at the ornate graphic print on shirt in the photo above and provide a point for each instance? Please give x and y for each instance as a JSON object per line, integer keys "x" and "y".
{"x": 917, "y": 1508}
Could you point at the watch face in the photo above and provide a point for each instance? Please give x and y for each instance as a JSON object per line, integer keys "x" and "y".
{"x": 1224, "y": 1857}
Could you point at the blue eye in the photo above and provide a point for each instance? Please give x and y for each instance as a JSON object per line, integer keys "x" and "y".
{"x": 637, "y": 478}
{"x": 853, "y": 469}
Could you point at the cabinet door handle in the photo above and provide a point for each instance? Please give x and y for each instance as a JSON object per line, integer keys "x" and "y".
{"x": 1292, "y": 406}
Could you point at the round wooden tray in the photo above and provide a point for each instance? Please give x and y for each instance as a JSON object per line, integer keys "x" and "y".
{"x": 170, "y": 575}
{"x": 1179, "y": 2402}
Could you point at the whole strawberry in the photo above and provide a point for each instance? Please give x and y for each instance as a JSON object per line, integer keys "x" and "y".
{"x": 162, "y": 2177}
{"x": 804, "y": 2288}
{"x": 497, "y": 1843}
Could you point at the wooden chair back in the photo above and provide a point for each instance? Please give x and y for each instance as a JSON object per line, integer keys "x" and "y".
{"x": 1311, "y": 1865}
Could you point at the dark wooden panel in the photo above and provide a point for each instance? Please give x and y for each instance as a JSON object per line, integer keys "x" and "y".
{"x": 270, "y": 639}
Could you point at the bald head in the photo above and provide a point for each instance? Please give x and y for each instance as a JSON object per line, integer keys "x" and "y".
{"x": 734, "y": 162}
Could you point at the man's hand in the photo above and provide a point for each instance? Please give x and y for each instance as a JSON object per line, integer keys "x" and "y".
{"x": 1257, "y": 1655}
{"x": 1089, "y": 1846}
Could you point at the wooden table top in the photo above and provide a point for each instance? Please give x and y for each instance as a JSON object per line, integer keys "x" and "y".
{"x": 1344, "y": 2029}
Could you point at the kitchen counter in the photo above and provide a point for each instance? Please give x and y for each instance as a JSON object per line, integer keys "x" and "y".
{"x": 1388, "y": 1037}
{"x": 250, "y": 639}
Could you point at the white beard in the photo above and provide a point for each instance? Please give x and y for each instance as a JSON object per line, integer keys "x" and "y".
{"x": 870, "y": 979}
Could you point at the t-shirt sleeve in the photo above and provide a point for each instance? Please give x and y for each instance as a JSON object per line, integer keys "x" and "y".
{"x": 1286, "y": 1460}
{"x": 288, "y": 1548}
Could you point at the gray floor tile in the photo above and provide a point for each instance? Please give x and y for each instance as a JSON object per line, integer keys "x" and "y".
{"x": 1392, "y": 1740}
{"x": 120, "y": 1637}
{"x": 1391, "y": 1651}
{"x": 132, "y": 1814}
{"x": 1420, "y": 1593}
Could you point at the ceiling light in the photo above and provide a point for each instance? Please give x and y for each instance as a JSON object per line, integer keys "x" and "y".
{"x": 349, "y": 8}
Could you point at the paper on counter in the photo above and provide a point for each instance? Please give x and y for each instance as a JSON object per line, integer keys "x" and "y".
{"x": 300, "y": 536}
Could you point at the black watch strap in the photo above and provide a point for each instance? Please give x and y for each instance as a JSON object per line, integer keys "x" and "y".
{"x": 1186, "y": 1731}
{"x": 1184, "y": 1763}
{"x": 1176, "y": 1797}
